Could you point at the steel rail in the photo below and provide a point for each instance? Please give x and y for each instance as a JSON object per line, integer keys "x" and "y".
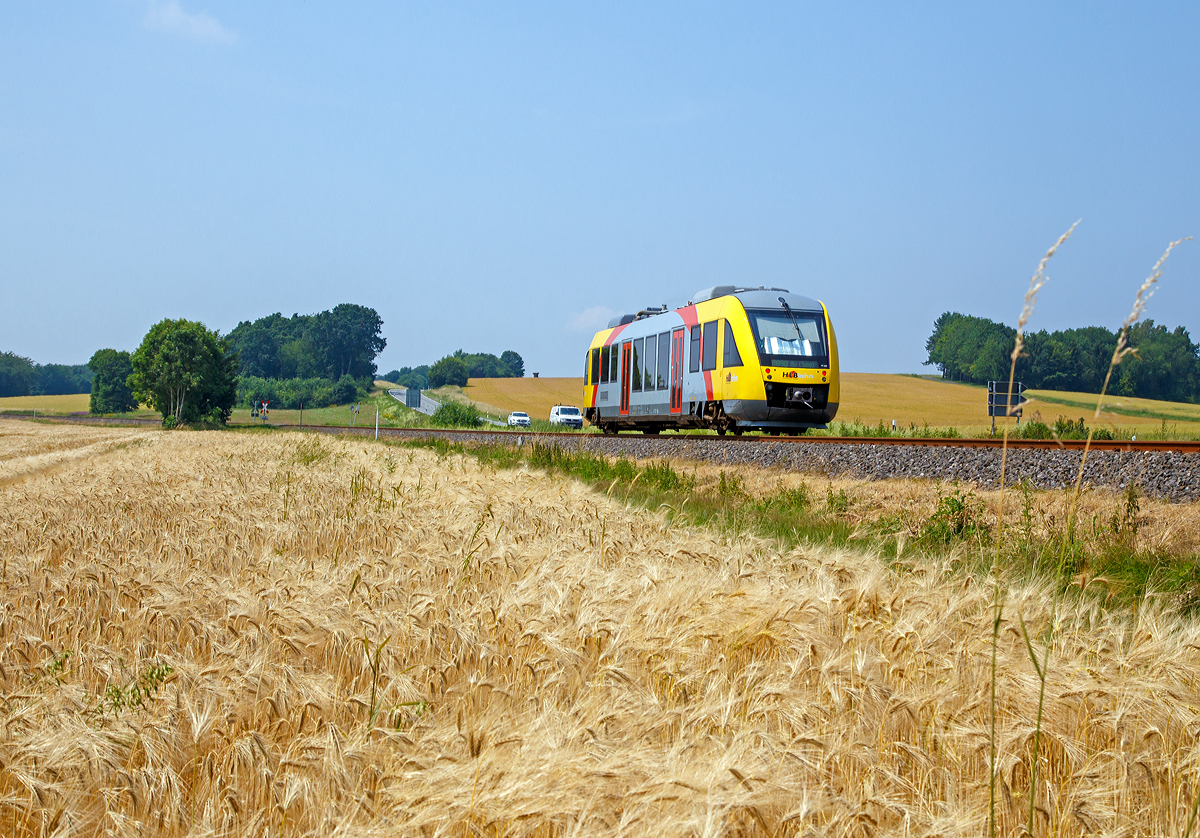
{"x": 1143, "y": 446}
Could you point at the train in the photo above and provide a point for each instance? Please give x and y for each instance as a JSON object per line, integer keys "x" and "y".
{"x": 732, "y": 360}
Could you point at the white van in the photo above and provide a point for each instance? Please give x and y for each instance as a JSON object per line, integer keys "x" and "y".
{"x": 562, "y": 414}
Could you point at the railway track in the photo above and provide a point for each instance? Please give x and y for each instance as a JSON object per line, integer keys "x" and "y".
{"x": 1177, "y": 446}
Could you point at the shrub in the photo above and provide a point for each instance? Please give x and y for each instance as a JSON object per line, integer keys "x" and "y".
{"x": 345, "y": 391}
{"x": 286, "y": 393}
{"x": 456, "y": 415}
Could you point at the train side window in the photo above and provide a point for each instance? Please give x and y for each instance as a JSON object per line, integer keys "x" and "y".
{"x": 648, "y": 366}
{"x": 636, "y": 373}
{"x": 710, "y": 345}
{"x": 664, "y": 359}
{"x": 733, "y": 358}
{"x": 694, "y": 352}
{"x": 614, "y": 366}
{"x": 604, "y": 350}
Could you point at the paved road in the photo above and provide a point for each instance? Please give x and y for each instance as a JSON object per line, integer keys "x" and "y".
{"x": 429, "y": 406}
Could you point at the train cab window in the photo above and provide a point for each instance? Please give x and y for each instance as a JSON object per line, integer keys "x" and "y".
{"x": 664, "y": 359}
{"x": 694, "y": 352}
{"x": 733, "y": 358}
{"x": 790, "y": 339}
{"x": 604, "y": 350}
{"x": 710, "y": 345}
{"x": 648, "y": 362}
{"x": 636, "y": 374}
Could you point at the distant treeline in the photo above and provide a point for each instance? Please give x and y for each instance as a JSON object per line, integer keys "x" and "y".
{"x": 330, "y": 344}
{"x": 457, "y": 368}
{"x": 19, "y": 376}
{"x": 977, "y": 350}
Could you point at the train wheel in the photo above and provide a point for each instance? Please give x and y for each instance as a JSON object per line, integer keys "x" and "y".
{"x": 737, "y": 431}
{"x": 650, "y": 431}
{"x": 720, "y": 430}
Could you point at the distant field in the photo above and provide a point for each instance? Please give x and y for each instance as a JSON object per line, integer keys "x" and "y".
{"x": 1122, "y": 410}
{"x": 74, "y": 403}
{"x": 535, "y": 396}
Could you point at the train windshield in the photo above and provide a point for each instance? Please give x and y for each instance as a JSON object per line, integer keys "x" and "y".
{"x": 797, "y": 340}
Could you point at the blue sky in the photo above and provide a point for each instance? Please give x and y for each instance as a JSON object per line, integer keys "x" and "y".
{"x": 506, "y": 176}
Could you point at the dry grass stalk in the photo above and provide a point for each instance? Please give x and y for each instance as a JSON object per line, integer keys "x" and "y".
{"x": 1144, "y": 293}
{"x": 599, "y": 670}
{"x": 1035, "y": 284}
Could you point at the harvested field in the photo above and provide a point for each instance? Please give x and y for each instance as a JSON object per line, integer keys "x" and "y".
{"x": 250, "y": 634}
{"x": 535, "y": 396}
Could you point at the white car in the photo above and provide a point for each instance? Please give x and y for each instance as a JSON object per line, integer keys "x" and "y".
{"x": 562, "y": 414}
{"x": 518, "y": 419}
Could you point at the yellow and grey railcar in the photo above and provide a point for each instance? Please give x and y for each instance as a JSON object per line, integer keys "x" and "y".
{"x": 733, "y": 360}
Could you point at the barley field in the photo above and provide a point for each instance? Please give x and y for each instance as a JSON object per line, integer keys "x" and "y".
{"x": 228, "y": 634}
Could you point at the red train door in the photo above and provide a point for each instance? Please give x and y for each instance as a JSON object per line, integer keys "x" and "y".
{"x": 625, "y": 359}
{"x": 677, "y": 371}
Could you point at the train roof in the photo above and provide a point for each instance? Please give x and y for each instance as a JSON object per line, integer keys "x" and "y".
{"x": 760, "y": 297}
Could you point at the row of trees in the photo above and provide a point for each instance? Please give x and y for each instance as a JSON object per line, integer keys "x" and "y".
{"x": 19, "y": 376}
{"x": 342, "y": 341}
{"x": 977, "y": 350}
{"x": 458, "y": 368}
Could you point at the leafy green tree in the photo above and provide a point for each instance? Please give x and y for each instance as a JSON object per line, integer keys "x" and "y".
{"x": 110, "y": 388}
{"x": 186, "y": 372}
{"x": 349, "y": 339}
{"x": 514, "y": 362}
{"x": 448, "y": 370}
{"x": 414, "y": 377}
{"x": 257, "y": 345}
{"x": 17, "y": 375}
{"x": 1164, "y": 364}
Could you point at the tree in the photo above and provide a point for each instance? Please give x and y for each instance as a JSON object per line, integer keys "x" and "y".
{"x": 110, "y": 388}
{"x": 514, "y": 362}
{"x": 348, "y": 338}
{"x": 257, "y": 345}
{"x": 448, "y": 370}
{"x": 62, "y": 379}
{"x": 186, "y": 372}
{"x": 17, "y": 375}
